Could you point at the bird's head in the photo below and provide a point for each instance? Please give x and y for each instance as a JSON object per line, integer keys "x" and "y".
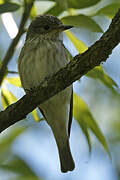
{"x": 47, "y": 27}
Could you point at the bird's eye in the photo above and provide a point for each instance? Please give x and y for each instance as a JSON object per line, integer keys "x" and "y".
{"x": 46, "y": 27}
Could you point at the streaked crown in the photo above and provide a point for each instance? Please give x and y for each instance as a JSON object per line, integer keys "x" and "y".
{"x": 46, "y": 24}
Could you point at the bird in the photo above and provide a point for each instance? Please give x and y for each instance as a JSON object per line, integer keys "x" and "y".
{"x": 42, "y": 55}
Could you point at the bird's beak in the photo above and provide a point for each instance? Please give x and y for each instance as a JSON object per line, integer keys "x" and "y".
{"x": 63, "y": 27}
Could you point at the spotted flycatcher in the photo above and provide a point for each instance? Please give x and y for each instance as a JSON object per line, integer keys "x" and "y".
{"x": 42, "y": 55}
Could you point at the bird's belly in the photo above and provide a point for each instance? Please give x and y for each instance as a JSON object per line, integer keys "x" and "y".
{"x": 35, "y": 67}
{"x": 58, "y": 100}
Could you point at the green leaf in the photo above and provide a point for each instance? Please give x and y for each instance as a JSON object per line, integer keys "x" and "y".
{"x": 45, "y": 0}
{"x": 77, "y": 4}
{"x": 86, "y": 133}
{"x": 98, "y": 73}
{"x": 7, "y": 96}
{"x": 33, "y": 12}
{"x": 26, "y": 178}
{"x": 4, "y": 100}
{"x": 109, "y": 10}
{"x": 55, "y": 10}
{"x": 86, "y": 121}
{"x": 14, "y": 81}
{"x": 6, "y": 141}
{"x": 1, "y": 1}
{"x": 82, "y": 21}
{"x": 9, "y": 7}
{"x": 80, "y": 45}
{"x": 18, "y": 166}
{"x": 64, "y": 5}
{"x": 35, "y": 115}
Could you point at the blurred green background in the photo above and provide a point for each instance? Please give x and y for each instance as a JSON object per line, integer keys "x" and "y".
{"x": 27, "y": 149}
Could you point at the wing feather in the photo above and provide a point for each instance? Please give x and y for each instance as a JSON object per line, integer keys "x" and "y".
{"x": 70, "y": 113}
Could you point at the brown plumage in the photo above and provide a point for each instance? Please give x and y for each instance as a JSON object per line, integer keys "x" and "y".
{"x": 42, "y": 55}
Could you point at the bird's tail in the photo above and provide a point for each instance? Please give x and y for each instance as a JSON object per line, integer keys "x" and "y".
{"x": 66, "y": 160}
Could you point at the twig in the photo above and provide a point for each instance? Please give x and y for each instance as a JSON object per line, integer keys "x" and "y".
{"x": 11, "y": 49}
{"x": 79, "y": 66}
{"x": 12, "y": 72}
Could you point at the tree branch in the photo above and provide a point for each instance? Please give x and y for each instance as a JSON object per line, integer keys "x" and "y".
{"x": 79, "y": 66}
{"x": 11, "y": 49}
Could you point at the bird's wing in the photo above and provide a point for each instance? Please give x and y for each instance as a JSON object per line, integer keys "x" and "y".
{"x": 70, "y": 113}
{"x": 42, "y": 112}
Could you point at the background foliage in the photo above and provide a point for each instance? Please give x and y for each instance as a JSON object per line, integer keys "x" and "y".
{"x": 96, "y": 95}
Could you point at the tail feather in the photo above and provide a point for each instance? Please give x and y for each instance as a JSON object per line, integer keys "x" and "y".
{"x": 66, "y": 160}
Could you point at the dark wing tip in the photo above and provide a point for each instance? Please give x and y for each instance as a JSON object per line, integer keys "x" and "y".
{"x": 70, "y": 113}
